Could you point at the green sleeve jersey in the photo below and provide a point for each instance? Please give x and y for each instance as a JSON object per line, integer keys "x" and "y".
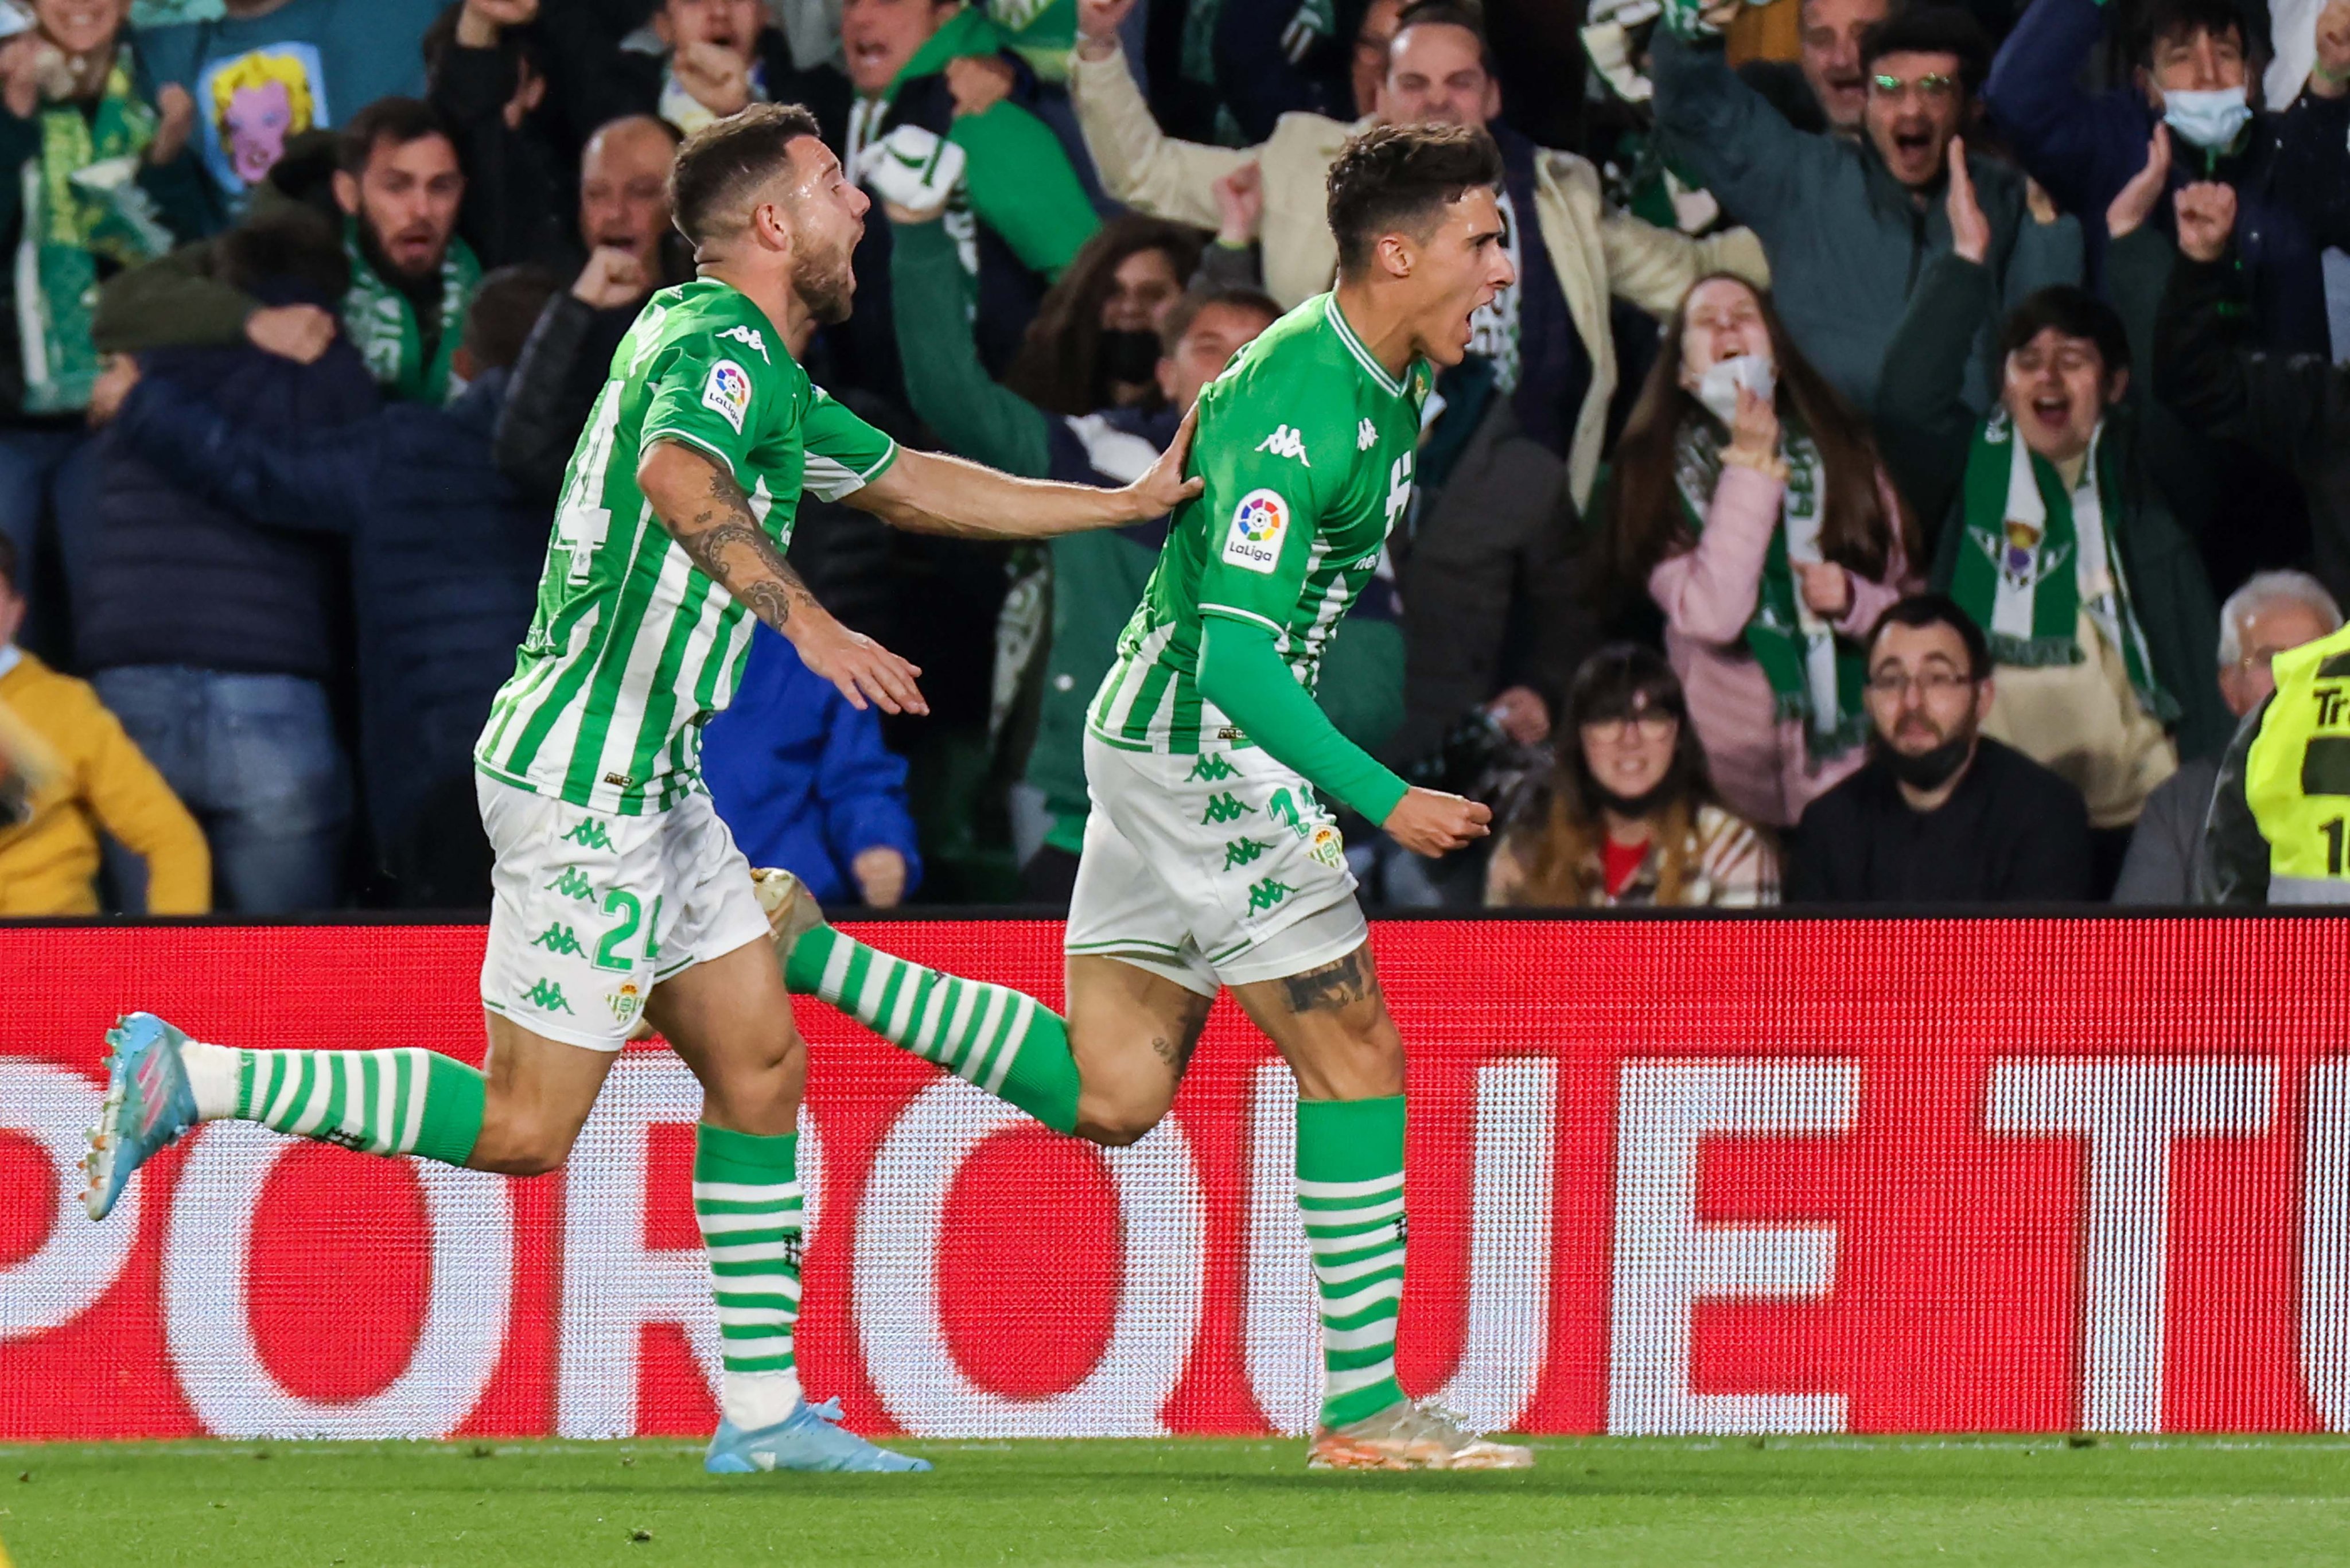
{"x": 1305, "y": 444}
{"x": 633, "y": 648}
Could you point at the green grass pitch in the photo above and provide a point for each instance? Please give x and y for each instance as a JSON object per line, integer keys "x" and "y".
{"x": 1734, "y": 1501}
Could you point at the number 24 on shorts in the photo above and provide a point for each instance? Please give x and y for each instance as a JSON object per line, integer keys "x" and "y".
{"x": 632, "y": 914}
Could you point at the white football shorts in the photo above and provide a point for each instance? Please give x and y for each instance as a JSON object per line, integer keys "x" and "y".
{"x": 1219, "y": 869}
{"x": 590, "y": 910}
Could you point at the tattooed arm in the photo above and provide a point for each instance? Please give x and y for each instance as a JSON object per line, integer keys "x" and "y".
{"x": 711, "y": 518}
{"x": 929, "y": 492}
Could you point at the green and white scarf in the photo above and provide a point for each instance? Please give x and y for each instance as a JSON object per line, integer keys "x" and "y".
{"x": 81, "y": 202}
{"x": 383, "y": 324}
{"x": 1816, "y": 676}
{"x": 2034, "y": 557}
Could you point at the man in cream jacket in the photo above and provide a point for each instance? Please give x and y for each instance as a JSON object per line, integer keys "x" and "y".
{"x": 1547, "y": 336}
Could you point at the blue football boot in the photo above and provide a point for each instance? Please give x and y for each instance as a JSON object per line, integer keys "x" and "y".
{"x": 149, "y": 1103}
{"x": 810, "y": 1438}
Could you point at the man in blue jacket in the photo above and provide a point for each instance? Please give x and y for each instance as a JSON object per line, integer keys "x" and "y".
{"x": 802, "y": 782}
{"x": 2195, "y": 67}
{"x": 444, "y": 558}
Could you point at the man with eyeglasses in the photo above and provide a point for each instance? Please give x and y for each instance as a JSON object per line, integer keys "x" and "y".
{"x": 2272, "y": 613}
{"x": 1849, "y": 223}
{"x": 1941, "y": 813}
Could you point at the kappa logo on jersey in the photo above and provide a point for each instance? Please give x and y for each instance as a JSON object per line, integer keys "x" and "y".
{"x": 751, "y": 335}
{"x": 1285, "y": 442}
{"x": 727, "y": 392}
{"x": 1259, "y": 522}
{"x": 1366, "y": 436}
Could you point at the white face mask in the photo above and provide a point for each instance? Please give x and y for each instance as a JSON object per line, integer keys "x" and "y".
{"x": 2210, "y": 119}
{"x": 1718, "y": 387}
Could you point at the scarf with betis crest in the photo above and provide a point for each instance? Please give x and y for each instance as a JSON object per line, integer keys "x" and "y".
{"x": 1816, "y": 676}
{"x": 82, "y": 201}
{"x": 2034, "y": 557}
{"x": 383, "y": 325}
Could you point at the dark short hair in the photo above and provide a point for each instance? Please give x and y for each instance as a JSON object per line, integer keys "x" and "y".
{"x": 1448, "y": 14}
{"x": 2075, "y": 313}
{"x": 503, "y": 311}
{"x": 1395, "y": 178}
{"x": 2160, "y": 19}
{"x": 725, "y": 159}
{"x": 1920, "y": 611}
{"x": 1930, "y": 30}
{"x": 398, "y": 120}
{"x": 1187, "y": 310}
{"x": 292, "y": 245}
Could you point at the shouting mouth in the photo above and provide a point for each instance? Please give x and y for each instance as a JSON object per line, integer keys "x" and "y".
{"x": 2051, "y": 411}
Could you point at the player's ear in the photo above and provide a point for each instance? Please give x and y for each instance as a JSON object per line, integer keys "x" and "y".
{"x": 347, "y": 192}
{"x": 1395, "y": 255}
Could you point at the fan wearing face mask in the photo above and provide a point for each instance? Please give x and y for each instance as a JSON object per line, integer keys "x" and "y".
{"x": 2197, "y": 69}
{"x": 1750, "y": 506}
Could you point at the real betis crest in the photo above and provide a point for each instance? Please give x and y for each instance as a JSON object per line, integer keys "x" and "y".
{"x": 2017, "y": 553}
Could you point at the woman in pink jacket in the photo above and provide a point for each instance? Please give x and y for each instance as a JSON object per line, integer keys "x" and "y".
{"x": 1749, "y": 500}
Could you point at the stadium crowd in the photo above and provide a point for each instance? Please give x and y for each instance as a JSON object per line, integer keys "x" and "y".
{"x": 1912, "y": 433}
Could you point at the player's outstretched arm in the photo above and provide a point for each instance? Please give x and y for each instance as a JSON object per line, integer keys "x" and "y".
{"x": 711, "y": 518}
{"x": 929, "y": 492}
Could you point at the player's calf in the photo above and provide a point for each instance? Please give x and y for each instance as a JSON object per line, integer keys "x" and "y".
{"x": 999, "y": 1039}
{"x": 161, "y": 1083}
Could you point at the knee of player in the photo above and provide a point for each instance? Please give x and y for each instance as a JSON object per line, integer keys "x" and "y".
{"x": 522, "y": 1145}
{"x": 1115, "y": 1126}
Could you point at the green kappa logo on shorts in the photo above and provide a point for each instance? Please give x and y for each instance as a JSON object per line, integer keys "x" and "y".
{"x": 1211, "y": 770}
{"x": 1283, "y": 809}
{"x": 572, "y": 885}
{"x": 559, "y": 940}
{"x": 1267, "y": 894}
{"x": 590, "y": 835}
{"x": 547, "y": 995}
{"x": 1226, "y": 807}
{"x": 1243, "y": 852}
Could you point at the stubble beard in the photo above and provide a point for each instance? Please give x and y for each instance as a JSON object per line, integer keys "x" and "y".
{"x": 827, "y": 286}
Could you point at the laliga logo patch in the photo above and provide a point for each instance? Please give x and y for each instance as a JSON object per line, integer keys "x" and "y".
{"x": 727, "y": 392}
{"x": 1258, "y": 523}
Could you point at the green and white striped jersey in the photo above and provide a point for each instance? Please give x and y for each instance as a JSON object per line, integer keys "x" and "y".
{"x": 1305, "y": 443}
{"x": 634, "y": 648}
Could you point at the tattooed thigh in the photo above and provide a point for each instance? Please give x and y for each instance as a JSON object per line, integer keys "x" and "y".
{"x": 1334, "y": 986}
{"x": 1174, "y": 1045}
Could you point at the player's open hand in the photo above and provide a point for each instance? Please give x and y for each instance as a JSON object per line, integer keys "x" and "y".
{"x": 860, "y": 667}
{"x": 1162, "y": 487}
{"x": 1430, "y": 822}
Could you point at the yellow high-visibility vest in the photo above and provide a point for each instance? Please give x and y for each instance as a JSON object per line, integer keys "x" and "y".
{"x": 2297, "y": 774}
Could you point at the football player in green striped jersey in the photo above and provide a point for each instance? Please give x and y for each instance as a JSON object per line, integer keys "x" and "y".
{"x": 1208, "y": 858}
{"x": 620, "y": 896}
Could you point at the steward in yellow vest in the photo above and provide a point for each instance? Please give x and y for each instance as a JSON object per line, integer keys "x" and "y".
{"x": 2278, "y": 831}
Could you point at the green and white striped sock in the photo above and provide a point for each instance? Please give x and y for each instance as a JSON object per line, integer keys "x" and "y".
{"x": 408, "y": 1101}
{"x": 1000, "y": 1039}
{"x": 746, "y": 1199}
{"x": 1350, "y": 1188}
